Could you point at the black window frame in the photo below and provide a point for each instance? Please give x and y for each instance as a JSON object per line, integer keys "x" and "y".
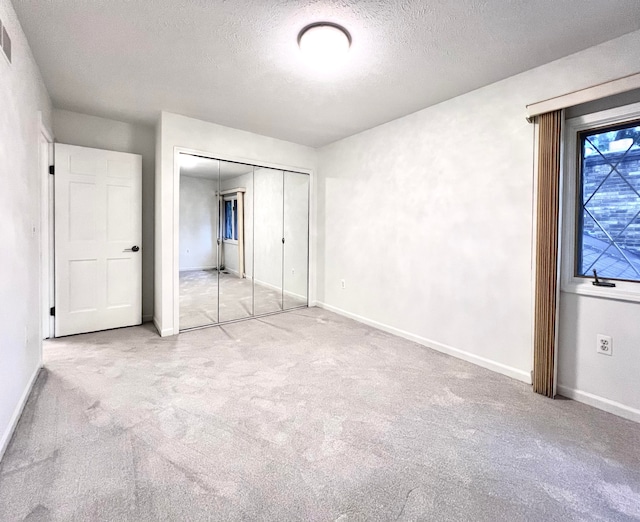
{"x": 579, "y": 206}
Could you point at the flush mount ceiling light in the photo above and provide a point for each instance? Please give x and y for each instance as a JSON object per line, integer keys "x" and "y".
{"x": 324, "y": 44}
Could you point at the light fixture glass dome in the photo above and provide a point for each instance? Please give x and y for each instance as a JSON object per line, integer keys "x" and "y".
{"x": 324, "y": 44}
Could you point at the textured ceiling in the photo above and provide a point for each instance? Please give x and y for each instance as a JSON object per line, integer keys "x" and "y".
{"x": 236, "y": 62}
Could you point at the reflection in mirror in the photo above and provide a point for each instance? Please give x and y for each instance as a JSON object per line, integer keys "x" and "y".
{"x": 296, "y": 235}
{"x": 244, "y": 241}
{"x": 199, "y": 225}
{"x": 236, "y": 247}
{"x": 267, "y": 242}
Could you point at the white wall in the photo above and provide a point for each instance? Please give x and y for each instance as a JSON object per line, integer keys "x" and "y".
{"x": 611, "y": 383}
{"x": 198, "y": 223}
{"x": 230, "y": 259}
{"x": 23, "y": 94}
{"x": 218, "y": 141}
{"x": 73, "y": 128}
{"x": 429, "y": 218}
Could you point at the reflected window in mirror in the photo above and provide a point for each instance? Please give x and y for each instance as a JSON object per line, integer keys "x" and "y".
{"x": 230, "y": 218}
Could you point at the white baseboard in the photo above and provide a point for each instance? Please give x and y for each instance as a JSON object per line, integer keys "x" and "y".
{"x": 192, "y": 268}
{"x": 267, "y": 285}
{"x": 600, "y": 402}
{"x": 6, "y": 436}
{"x": 147, "y": 318}
{"x": 278, "y": 289}
{"x": 293, "y": 295}
{"x": 514, "y": 373}
{"x": 163, "y": 333}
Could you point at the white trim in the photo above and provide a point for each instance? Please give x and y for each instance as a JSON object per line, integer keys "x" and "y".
{"x": 175, "y": 268}
{"x": 600, "y": 402}
{"x": 6, "y": 436}
{"x": 312, "y": 282}
{"x": 236, "y": 159}
{"x": 534, "y": 229}
{"x": 279, "y": 289}
{"x": 560, "y": 240}
{"x": 46, "y": 250}
{"x": 193, "y": 268}
{"x": 147, "y": 318}
{"x": 596, "y": 92}
{"x": 509, "y": 371}
{"x": 624, "y": 290}
{"x": 233, "y": 191}
{"x": 163, "y": 333}
{"x": 615, "y": 294}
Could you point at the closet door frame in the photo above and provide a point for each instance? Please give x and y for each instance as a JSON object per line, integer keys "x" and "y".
{"x": 221, "y": 156}
{"x": 284, "y": 249}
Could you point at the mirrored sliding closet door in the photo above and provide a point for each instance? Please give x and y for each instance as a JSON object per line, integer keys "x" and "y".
{"x": 244, "y": 241}
{"x": 268, "y": 226}
{"x": 236, "y": 241}
{"x": 199, "y": 226}
{"x": 296, "y": 240}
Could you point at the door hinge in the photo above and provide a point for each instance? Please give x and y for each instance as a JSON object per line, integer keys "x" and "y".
{"x": 52, "y": 169}
{"x": 52, "y": 311}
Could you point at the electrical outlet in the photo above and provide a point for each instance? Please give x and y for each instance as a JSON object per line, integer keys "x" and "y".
{"x": 342, "y": 284}
{"x": 604, "y": 344}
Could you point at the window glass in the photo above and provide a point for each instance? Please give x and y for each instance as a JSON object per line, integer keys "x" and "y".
{"x": 228, "y": 220}
{"x": 235, "y": 219}
{"x": 609, "y": 209}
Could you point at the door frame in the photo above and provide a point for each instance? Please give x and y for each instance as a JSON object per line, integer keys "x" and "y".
{"x": 47, "y": 242}
{"x": 176, "y": 220}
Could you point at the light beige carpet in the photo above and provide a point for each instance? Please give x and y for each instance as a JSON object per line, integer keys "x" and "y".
{"x": 304, "y": 416}
{"x": 199, "y": 298}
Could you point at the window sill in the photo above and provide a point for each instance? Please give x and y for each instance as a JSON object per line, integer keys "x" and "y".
{"x": 230, "y": 241}
{"x": 618, "y": 293}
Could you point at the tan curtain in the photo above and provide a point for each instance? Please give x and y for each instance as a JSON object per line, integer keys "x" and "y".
{"x": 549, "y": 132}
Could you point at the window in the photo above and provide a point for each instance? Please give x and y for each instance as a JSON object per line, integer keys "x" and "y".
{"x": 230, "y": 219}
{"x": 601, "y": 204}
{"x": 608, "y": 206}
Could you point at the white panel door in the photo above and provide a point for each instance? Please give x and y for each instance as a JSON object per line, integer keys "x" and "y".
{"x": 98, "y": 239}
